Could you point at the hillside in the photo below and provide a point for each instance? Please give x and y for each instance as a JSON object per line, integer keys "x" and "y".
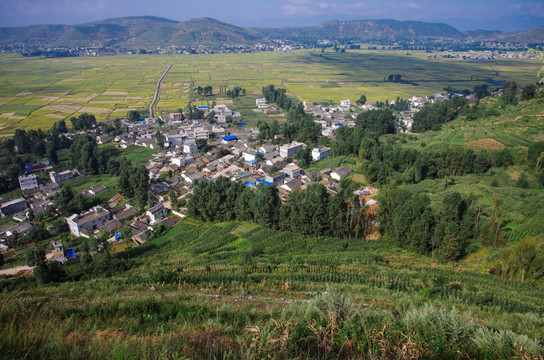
{"x": 365, "y": 30}
{"x": 150, "y": 31}
{"x": 528, "y": 36}
{"x": 247, "y": 290}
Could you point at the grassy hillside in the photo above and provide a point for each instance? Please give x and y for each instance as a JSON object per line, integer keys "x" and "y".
{"x": 237, "y": 290}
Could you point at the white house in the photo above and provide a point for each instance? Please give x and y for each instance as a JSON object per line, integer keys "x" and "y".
{"x": 90, "y": 220}
{"x": 321, "y": 153}
{"x": 190, "y": 148}
{"x": 181, "y": 161}
{"x": 289, "y": 150}
{"x": 341, "y": 173}
{"x": 156, "y": 213}
{"x": 174, "y": 140}
{"x": 62, "y": 176}
{"x": 261, "y": 103}
{"x": 28, "y": 182}
{"x": 249, "y": 156}
{"x": 292, "y": 171}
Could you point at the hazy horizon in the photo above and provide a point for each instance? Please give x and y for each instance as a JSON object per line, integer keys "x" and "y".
{"x": 463, "y": 14}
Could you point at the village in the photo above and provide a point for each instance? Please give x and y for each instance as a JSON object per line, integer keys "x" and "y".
{"x": 192, "y": 151}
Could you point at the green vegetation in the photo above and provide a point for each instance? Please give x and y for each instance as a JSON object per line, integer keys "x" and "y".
{"x": 238, "y": 290}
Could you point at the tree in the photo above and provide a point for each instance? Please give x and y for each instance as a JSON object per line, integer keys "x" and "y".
{"x": 540, "y": 54}
{"x": 362, "y": 100}
{"x": 525, "y": 252}
{"x": 528, "y": 92}
{"x": 62, "y": 127}
{"x": 2, "y": 262}
{"x": 140, "y": 181}
{"x": 83, "y": 122}
{"x": 51, "y": 152}
{"x": 481, "y": 91}
{"x": 160, "y": 139}
{"x": 50, "y": 272}
{"x": 379, "y": 122}
{"x": 266, "y": 205}
{"x": 133, "y": 115}
{"x": 34, "y": 255}
{"x": 68, "y": 201}
{"x": 509, "y": 92}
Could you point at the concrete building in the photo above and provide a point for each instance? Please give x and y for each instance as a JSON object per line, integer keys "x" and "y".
{"x": 28, "y": 182}
{"x": 190, "y": 148}
{"x": 261, "y": 103}
{"x": 62, "y": 176}
{"x": 156, "y": 213}
{"x": 289, "y": 150}
{"x": 174, "y": 140}
{"x": 90, "y": 220}
{"x": 340, "y": 173}
{"x": 13, "y": 206}
{"x": 321, "y": 153}
{"x": 276, "y": 179}
{"x": 291, "y": 171}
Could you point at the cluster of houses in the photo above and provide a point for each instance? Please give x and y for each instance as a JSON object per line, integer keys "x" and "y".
{"x": 233, "y": 153}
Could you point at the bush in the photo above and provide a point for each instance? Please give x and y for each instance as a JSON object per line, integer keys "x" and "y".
{"x": 442, "y": 330}
{"x": 506, "y": 343}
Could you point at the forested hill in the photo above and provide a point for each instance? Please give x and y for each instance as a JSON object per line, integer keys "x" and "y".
{"x": 148, "y": 31}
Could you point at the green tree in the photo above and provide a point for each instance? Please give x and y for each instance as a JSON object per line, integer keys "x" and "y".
{"x": 133, "y": 115}
{"x": 481, "y": 91}
{"x": 528, "y": 92}
{"x": 160, "y": 139}
{"x": 34, "y": 255}
{"x": 266, "y": 205}
{"x": 362, "y": 100}
{"x": 509, "y": 93}
{"x": 525, "y": 252}
{"x": 50, "y": 272}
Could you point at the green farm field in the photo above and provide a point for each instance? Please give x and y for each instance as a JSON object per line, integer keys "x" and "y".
{"x": 35, "y": 92}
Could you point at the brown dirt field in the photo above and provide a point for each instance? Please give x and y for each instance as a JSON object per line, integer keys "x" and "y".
{"x": 486, "y": 144}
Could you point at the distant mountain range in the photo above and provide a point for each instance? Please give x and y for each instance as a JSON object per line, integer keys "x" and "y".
{"x": 147, "y": 31}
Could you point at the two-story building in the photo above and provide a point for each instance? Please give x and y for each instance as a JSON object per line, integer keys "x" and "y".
{"x": 90, "y": 220}
{"x": 292, "y": 171}
{"x": 62, "y": 176}
{"x": 321, "y": 153}
{"x": 156, "y": 213}
{"x": 289, "y": 150}
{"x": 28, "y": 182}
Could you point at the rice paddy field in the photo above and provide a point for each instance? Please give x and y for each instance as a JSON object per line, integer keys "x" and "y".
{"x": 36, "y": 92}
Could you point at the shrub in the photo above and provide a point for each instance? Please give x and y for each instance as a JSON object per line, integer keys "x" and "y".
{"x": 506, "y": 343}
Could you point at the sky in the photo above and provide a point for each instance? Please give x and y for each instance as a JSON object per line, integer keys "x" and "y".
{"x": 506, "y": 15}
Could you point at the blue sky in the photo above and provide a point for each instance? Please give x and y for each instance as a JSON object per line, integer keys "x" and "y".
{"x": 511, "y": 15}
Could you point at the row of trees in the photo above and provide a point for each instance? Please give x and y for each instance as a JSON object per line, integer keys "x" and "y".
{"x": 432, "y": 116}
{"x": 409, "y": 221}
{"x": 236, "y": 92}
{"x": 206, "y": 90}
{"x": 309, "y": 212}
{"x": 384, "y": 163}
